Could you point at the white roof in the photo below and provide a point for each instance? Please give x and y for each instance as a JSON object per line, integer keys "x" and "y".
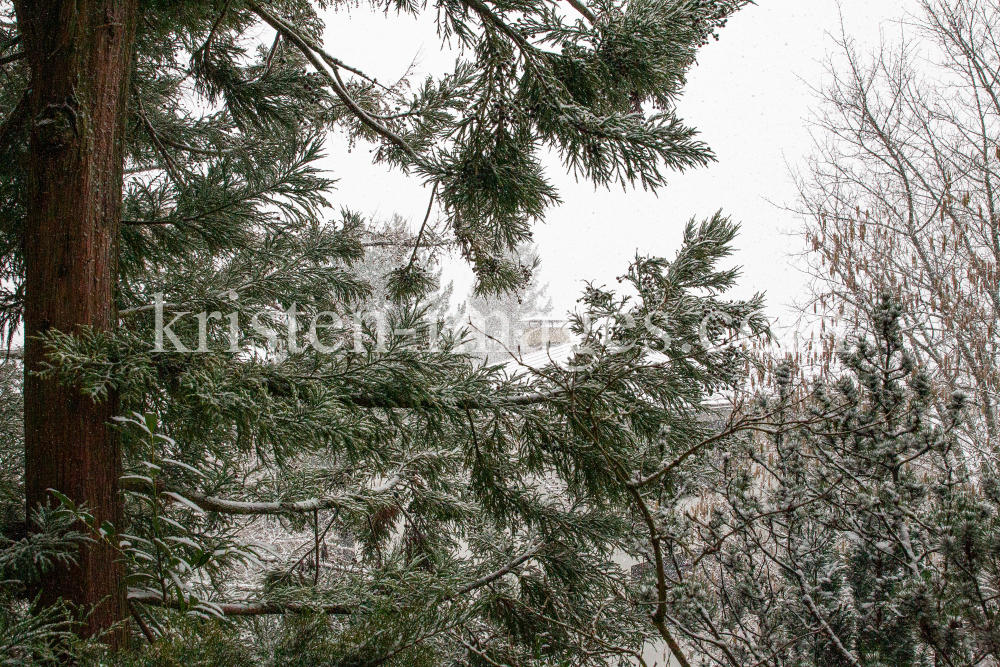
{"x": 560, "y": 356}
{"x": 539, "y": 317}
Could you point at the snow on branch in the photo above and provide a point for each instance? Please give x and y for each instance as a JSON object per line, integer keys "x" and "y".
{"x": 226, "y": 506}
{"x": 154, "y": 599}
{"x": 493, "y": 576}
{"x": 310, "y": 50}
{"x": 263, "y": 608}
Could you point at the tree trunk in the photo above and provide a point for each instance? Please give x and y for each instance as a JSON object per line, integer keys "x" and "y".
{"x": 79, "y": 55}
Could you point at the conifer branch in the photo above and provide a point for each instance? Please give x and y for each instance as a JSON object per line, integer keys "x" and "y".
{"x": 531, "y": 398}
{"x": 659, "y": 615}
{"x": 12, "y": 58}
{"x": 731, "y": 428}
{"x": 814, "y": 610}
{"x": 482, "y": 655}
{"x": 270, "y": 54}
{"x": 405, "y": 244}
{"x": 594, "y": 638}
{"x": 146, "y": 632}
{"x": 13, "y": 122}
{"x": 139, "y": 223}
{"x": 583, "y": 9}
{"x": 217, "y": 152}
{"x": 415, "y": 642}
{"x": 420, "y": 234}
{"x": 204, "y": 50}
{"x": 488, "y": 16}
{"x": 493, "y": 576}
{"x": 310, "y": 51}
{"x": 312, "y": 45}
{"x": 155, "y": 599}
{"x": 243, "y": 197}
{"x": 319, "y": 537}
{"x": 530, "y": 52}
{"x": 260, "y": 508}
{"x": 169, "y": 165}
{"x": 337, "y": 63}
{"x": 341, "y": 89}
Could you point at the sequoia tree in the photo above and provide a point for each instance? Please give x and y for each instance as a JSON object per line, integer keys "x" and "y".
{"x": 78, "y": 58}
{"x": 123, "y": 211}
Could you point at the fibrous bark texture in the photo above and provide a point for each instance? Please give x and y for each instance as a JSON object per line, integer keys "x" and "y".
{"x": 79, "y": 55}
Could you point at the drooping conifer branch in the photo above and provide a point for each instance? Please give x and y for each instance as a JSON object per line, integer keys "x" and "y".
{"x": 493, "y": 576}
{"x": 336, "y": 83}
{"x": 310, "y": 44}
{"x": 154, "y": 599}
{"x": 262, "y": 608}
{"x": 256, "y": 508}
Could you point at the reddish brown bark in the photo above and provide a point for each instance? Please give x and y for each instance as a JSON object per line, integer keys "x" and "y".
{"x": 79, "y": 56}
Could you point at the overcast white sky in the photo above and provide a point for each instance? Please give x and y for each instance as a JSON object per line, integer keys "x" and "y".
{"x": 750, "y": 97}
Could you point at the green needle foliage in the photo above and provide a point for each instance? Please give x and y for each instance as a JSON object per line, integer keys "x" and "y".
{"x": 853, "y": 530}
{"x": 474, "y": 515}
{"x": 529, "y": 79}
{"x": 484, "y": 511}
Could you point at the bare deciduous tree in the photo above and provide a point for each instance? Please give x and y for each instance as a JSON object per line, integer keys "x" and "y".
{"x": 901, "y": 194}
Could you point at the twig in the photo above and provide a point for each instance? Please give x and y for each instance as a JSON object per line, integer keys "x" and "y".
{"x": 270, "y": 55}
{"x": 580, "y": 7}
{"x": 141, "y": 623}
{"x": 171, "y": 168}
{"x": 12, "y": 57}
{"x": 211, "y": 35}
{"x": 331, "y": 60}
{"x": 316, "y": 536}
{"x": 243, "y": 508}
{"x": 191, "y": 149}
{"x": 493, "y": 576}
{"x": 589, "y": 635}
{"x": 420, "y": 234}
{"x": 149, "y": 222}
{"x": 731, "y": 428}
{"x": 336, "y": 513}
{"x": 482, "y": 655}
{"x": 404, "y": 244}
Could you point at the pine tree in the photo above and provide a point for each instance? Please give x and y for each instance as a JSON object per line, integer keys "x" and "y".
{"x": 122, "y": 213}
{"x": 852, "y": 531}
